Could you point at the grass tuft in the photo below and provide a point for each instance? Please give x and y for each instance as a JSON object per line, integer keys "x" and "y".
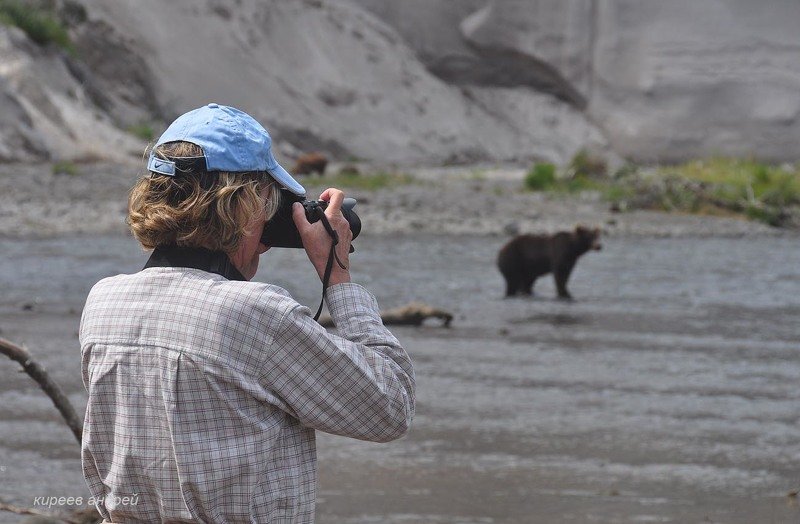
{"x": 143, "y": 131}
{"x": 545, "y": 177}
{"x": 587, "y": 165}
{"x": 367, "y": 181}
{"x": 541, "y": 177}
{"x": 66, "y": 167}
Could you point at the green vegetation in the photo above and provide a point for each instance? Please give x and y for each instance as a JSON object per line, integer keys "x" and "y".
{"x": 41, "y": 26}
{"x": 716, "y": 186}
{"x": 545, "y": 177}
{"x": 585, "y": 172}
{"x": 763, "y": 192}
{"x": 541, "y": 177}
{"x": 65, "y": 167}
{"x": 586, "y": 165}
{"x": 369, "y": 182}
{"x": 143, "y": 131}
{"x": 743, "y": 180}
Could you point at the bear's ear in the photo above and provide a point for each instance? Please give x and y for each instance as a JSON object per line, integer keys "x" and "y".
{"x": 580, "y": 229}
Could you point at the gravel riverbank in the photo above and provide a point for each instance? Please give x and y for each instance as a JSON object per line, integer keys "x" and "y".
{"x": 482, "y": 200}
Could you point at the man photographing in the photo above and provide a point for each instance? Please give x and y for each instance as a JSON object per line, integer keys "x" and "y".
{"x": 205, "y": 389}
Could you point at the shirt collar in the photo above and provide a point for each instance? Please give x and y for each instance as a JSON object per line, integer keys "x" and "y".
{"x": 196, "y": 258}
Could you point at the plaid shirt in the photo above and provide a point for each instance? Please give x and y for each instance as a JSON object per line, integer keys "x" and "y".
{"x": 204, "y": 394}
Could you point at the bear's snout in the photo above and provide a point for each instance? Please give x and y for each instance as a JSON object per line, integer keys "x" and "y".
{"x": 597, "y": 246}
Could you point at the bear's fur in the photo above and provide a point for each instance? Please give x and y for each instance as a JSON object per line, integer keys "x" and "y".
{"x": 310, "y": 163}
{"x": 527, "y": 257}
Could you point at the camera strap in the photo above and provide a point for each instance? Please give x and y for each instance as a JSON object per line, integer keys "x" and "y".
{"x": 329, "y": 265}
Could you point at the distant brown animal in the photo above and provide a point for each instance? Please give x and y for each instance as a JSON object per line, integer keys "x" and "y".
{"x": 412, "y": 314}
{"x": 310, "y": 163}
{"x": 527, "y": 257}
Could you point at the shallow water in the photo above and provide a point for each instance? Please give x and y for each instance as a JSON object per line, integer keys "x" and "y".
{"x": 666, "y": 392}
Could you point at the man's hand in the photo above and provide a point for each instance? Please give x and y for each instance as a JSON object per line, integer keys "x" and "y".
{"x": 317, "y": 241}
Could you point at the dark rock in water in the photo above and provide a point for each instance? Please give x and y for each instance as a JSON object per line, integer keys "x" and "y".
{"x": 512, "y": 228}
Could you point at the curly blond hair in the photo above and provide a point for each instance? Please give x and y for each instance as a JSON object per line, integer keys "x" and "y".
{"x": 200, "y": 209}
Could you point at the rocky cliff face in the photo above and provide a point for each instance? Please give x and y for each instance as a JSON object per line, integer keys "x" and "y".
{"x": 665, "y": 81}
{"x": 46, "y": 110}
{"x": 419, "y": 81}
{"x": 685, "y": 79}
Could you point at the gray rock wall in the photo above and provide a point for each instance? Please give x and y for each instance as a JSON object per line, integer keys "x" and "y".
{"x": 681, "y": 79}
{"x": 330, "y": 76}
{"x": 45, "y": 112}
{"x": 419, "y": 81}
{"x": 665, "y": 81}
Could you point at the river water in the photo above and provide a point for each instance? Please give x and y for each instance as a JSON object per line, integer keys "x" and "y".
{"x": 667, "y": 391}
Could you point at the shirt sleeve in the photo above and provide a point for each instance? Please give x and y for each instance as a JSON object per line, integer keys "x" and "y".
{"x": 358, "y": 384}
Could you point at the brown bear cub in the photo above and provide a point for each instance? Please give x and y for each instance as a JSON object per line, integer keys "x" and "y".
{"x": 310, "y": 163}
{"x": 527, "y": 257}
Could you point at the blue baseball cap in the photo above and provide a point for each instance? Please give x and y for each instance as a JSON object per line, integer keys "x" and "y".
{"x": 231, "y": 140}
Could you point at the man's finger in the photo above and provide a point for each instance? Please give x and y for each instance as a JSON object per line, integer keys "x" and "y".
{"x": 334, "y": 197}
{"x": 299, "y": 217}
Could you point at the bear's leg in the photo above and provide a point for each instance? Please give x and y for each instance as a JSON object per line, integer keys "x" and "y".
{"x": 511, "y": 286}
{"x": 561, "y": 272}
{"x": 561, "y": 278}
{"x": 527, "y": 285}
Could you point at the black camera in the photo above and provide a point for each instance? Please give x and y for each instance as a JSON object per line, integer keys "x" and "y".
{"x": 280, "y": 230}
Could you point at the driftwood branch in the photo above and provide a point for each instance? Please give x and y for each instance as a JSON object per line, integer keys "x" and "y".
{"x": 48, "y": 517}
{"x": 20, "y": 510}
{"x": 413, "y": 314}
{"x": 37, "y": 372}
{"x": 81, "y": 516}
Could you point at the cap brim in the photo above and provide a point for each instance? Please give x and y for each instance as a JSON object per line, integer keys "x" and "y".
{"x": 286, "y": 180}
